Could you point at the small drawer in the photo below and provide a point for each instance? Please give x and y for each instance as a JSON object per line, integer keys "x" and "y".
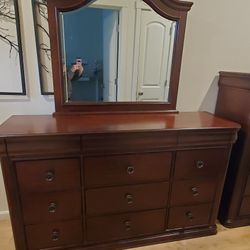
{"x": 181, "y": 217}
{"x": 48, "y": 175}
{"x": 247, "y": 188}
{"x": 54, "y": 234}
{"x": 190, "y": 192}
{"x": 201, "y": 162}
{"x": 245, "y": 206}
{"x": 56, "y": 206}
{"x": 125, "y": 225}
{"x": 127, "y": 198}
{"x": 127, "y": 169}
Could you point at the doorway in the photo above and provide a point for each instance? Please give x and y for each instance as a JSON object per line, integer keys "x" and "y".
{"x": 91, "y": 36}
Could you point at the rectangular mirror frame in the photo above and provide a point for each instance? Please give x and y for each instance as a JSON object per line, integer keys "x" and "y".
{"x": 172, "y": 9}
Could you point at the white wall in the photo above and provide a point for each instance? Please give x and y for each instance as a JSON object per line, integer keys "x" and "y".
{"x": 217, "y": 38}
{"x": 35, "y": 103}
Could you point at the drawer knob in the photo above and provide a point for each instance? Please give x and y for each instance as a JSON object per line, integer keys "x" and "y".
{"x": 189, "y": 215}
{"x": 50, "y": 176}
{"x": 195, "y": 191}
{"x": 52, "y": 207}
{"x": 200, "y": 164}
{"x": 130, "y": 170}
{"x": 55, "y": 235}
{"x": 129, "y": 198}
{"x": 127, "y": 224}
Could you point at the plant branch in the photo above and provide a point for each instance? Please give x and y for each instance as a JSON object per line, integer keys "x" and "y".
{"x": 6, "y": 11}
{"x": 46, "y": 50}
{"x": 12, "y": 44}
{"x": 42, "y": 28}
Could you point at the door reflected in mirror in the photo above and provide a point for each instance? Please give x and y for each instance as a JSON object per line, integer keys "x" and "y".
{"x": 116, "y": 51}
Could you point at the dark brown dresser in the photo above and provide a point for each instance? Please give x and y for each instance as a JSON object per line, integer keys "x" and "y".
{"x": 113, "y": 181}
{"x": 234, "y": 103}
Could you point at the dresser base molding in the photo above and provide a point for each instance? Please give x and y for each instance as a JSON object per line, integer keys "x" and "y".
{"x": 239, "y": 222}
{"x": 169, "y": 236}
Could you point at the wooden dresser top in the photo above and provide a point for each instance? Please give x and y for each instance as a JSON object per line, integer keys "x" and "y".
{"x": 33, "y": 125}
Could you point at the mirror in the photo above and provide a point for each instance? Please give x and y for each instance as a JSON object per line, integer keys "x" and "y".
{"x": 105, "y": 60}
{"x": 116, "y": 55}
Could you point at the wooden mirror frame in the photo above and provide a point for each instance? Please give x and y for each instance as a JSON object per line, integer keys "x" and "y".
{"x": 174, "y": 10}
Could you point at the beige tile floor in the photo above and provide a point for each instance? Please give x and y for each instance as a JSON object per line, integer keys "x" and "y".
{"x": 226, "y": 239}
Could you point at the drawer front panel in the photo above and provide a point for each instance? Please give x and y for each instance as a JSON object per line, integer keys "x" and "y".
{"x": 180, "y": 217}
{"x": 129, "y": 142}
{"x": 56, "y": 206}
{"x": 127, "y": 169}
{"x": 202, "y": 162}
{"x": 247, "y": 189}
{"x": 48, "y": 175}
{"x": 206, "y": 137}
{"x": 190, "y": 192}
{"x": 55, "y": 234}
{"x": 125, "y": 225}
{"x": 127, "y": 198}
{"x": 245, "y": 206}
{"x": 43, "y": 145}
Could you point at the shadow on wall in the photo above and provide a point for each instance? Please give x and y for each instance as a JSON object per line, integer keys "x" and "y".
{"x": 209, "y": 102}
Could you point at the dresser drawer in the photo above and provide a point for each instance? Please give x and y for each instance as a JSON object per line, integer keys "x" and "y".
{"x": 127, "y": 198}
{"x": 201, "y": 162}
{"x": 245, "y": 206}
{"x": 56, "y": 206}
{"x": 127, "y": 169}
{"x": 180, "y": 217}
{"x": 48, "y": 175}
{"x": 125, "y": 225}
{"x": 247, "y": 188}
{"x": 54, "y": 234}
{"x": 190, "y": 192}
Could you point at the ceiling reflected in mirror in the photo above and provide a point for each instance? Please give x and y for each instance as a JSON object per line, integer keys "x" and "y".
{"x": 116, "y": 51}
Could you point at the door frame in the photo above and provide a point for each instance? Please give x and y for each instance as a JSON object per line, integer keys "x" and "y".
{"x": 125, "y": 45}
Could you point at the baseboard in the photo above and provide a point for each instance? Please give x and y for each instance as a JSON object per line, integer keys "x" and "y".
{"x": 4, "y": 215}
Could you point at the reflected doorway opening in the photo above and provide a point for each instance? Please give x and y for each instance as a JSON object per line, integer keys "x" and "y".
{"x": 93, "y": 40}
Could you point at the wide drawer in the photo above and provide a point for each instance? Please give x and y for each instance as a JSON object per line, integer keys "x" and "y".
{"x": 56, "y": 206}
{"x": 190, "y": 192}
{"x": 247, "y": 188}
{"x": 54, "y": 234}
{"x": 125, "y": 225}
{"x": 188, "y": 216}
{"x": 126, "y": 198}
{"x": 48, "y": 175}
{"x": 201, "y": 162}
{"x": 245, "y": 206}
{"x": 127, "y": 169}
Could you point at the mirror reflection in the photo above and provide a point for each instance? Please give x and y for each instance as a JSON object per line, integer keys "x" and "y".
{"x": 116, "y": 51}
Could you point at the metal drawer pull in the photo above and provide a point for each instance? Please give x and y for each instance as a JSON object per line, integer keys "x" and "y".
{"x": 129, "y": 198}
{"x": 127, "y": 224}
{"x": 195, "y": 191}
{"x": 189, "y": 215}
{"x": 55, "y": 235}
{"x": 50, "y": 176}
{"x": 52, "y": 207}
{"x": 200, "y": 164}
{"x": 130, "y": 170}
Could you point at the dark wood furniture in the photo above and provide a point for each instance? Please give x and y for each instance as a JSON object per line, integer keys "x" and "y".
{"x": 113, "y": 181}
{"x": 234, "y": 103}
{"x": 114, "y": 175}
